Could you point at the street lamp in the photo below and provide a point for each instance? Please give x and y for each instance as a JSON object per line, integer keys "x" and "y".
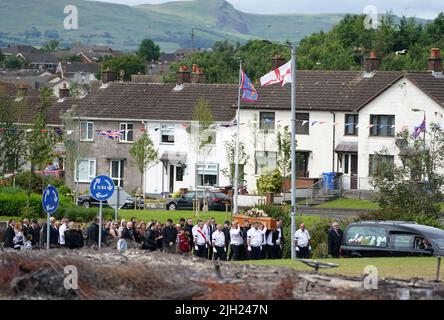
{"x": 293, "y": 141}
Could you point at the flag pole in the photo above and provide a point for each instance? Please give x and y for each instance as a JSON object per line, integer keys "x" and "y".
{"x": 236, "y": 156}
{"x": 293, "y": 150}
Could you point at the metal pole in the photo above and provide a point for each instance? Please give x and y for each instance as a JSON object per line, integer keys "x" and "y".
{"x": 116, "y": 215}
{"x": 438, "y": 267}
{"x": 236, "y": 156}
{"x": 100, "y": 226}
{"x": 293, "y": 149}
{"x": 48, "y": 222}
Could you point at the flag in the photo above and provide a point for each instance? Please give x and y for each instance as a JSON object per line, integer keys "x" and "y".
{"x": 112, "y": 134}
{"x": 249, "y": 93}
{"x": 419, "y": 129}
{"x": 281, "y": 75}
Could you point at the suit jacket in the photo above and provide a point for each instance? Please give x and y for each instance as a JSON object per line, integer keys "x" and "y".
{"x": 334, "y": 241}
{"x": 274, "y": 235}
{"x": 53, "y": 235}
{"x": 9, "y": 237}
{"x": 73, "y": 239}
{"x": 35, "y": 235}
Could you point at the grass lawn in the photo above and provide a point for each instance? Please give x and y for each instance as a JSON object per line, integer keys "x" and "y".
{"x": 402, "y": 268}
{"x": 343, "y": 203}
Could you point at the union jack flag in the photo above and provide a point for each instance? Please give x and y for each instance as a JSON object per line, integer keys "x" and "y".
{"x": 112, "y": 134}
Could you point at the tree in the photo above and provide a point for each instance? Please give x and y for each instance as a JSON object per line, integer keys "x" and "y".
{"x": 2, "y": 57}
{"x": 269, "y": 182}
{"x": 145, "y": 155}
{"x": 230, "y": 151}
{"x": 284, "y": 151}
{"x": 413, "y": 188}
{"x": 130, "y": 64}
{"x": 51, "y": 46}
{"x": 13, "y": 63}
{"x": 148, "y": 50}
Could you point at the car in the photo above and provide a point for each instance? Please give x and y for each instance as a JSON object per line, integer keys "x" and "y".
{"x": 216, "y": 201}
{"x": 88, "y": 201}
{"x": 391, "y": 239}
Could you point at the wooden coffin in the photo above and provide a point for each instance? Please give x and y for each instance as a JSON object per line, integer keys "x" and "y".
{"x": 270, "y": 223}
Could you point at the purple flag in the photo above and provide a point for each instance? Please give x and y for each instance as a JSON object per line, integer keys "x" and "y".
{"x": 249, "y": 93}
{"x": 419, "y": 129}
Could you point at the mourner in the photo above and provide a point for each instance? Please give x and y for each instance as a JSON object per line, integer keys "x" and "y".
{"x": 335, "y": 236}
{"x": 302, "y": 242}
{"x": 218, "y": 241}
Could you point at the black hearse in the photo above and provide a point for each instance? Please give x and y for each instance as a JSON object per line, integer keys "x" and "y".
{"x": 391, "y": 239}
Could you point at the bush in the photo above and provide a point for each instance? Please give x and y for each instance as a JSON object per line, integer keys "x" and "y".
{"x": 320, "y": 251}
{"x": 271, "y": 182}
{"x": 80, "y": 214}
{"x": 38, "y": 182}
{"x": 64, "y": 190}
{"x": 16, "y": 204}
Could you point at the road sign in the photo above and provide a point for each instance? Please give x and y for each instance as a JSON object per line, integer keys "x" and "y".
{"x": 50, "y": 199}
{"x": 102, "y": 188}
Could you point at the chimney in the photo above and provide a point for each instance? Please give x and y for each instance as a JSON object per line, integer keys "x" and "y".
{"x": 183, "y": 75}
{"x": 372, "y": 63}
{"x": 63, "y": 92}
{"x": 198, "y": 75}
{"x": 277, "y": 61}
{"x": 108, "y": 76}
{"x": 22, "y": 90}
{"x": 434, "y": 63}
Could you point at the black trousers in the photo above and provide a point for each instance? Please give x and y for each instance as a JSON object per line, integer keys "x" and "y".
{"x": 209, "y": 253}
{"x": 264, "y": 251}
{"x": 202, "y": 252}
{"x": 237, "y": 252}
{"x": 273, "y": 251}
{"x": 219, "y": 253}
{"x": 303, "y": 253}
{"x": 254, "y": 254}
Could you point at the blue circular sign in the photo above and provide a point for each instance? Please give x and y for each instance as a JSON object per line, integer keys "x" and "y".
{"x": 102, "y": 188}
{"x": 50, "y": 199}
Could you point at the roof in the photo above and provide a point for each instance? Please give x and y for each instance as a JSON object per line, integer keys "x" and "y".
{"x": 430, "y": 84}
{"x": 157, "y": 101}
{"x": 73, "y": 67}
{"x": 347, "y": 146}
{"x": 39, "y": 57}
{"x": 325, "y": 90}
{"x": 14, "y": 50}
{"x": 26, "y": 108}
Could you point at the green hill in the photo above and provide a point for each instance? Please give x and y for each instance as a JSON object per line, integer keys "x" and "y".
{"x": 123, "y": 27}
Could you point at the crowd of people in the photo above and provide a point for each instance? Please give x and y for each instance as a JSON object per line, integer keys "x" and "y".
{"x": 205, "y": 239}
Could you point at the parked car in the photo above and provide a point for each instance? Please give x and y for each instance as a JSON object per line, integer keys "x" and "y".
{"x": 391, "y": 239}
{"x": 88, "y": 201}
{"x": 216, "y": 201}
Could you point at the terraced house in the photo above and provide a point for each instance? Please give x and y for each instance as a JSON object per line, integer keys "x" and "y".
{"x": 343, "y": 119}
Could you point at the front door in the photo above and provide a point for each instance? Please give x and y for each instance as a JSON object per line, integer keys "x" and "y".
{"x": 171, "y": 179}
{"x": 353, "y": 171}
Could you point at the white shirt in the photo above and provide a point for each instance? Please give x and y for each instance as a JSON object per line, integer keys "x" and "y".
{"x": 302, "y": 237}
{"x": 218, "y": 238}
{"x": 198, "y": 238}
{"x": 206, "y": 231}
{"x": 270, "y": 238}
{"x": 255, "y": 237}
{"x": 236, "y": 238}
{"x": 62, "y": 230}
{"x": 263, "y": 232}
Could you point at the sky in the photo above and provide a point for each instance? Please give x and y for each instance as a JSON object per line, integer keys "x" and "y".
{"x": 427, "y": 9}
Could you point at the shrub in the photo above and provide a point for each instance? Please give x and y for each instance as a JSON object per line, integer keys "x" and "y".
{"x": 16, "y": 204}
{"x": 320, "y": 251}
{"x": 401, "y": 216}
{"x": 80, "y": 214}
{"x": 176, "y": 195}
{"x": 64, "y": 190}
{"x": 38, "y": 182}
{"x": 271, "y": 182}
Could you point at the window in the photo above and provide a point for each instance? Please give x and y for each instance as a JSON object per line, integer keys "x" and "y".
{"x": 116, "y": 172}
{"x": 265, "y": 161}
{"x": 86, "y": 131}
{"x": 302, "y": 123}
{"x": 128, "y": 132}
{"x": 383, "y": 125}
{"x": 368, "y": 236}
{"x": 167, "y": 133}
{"x": 402, "y": 241}
{"x": 376, "y": 161}
{"x": 351, "y": 120}
{"x": 266, "y": 121}
{"x": 179, "y": 173}
{"x": 207, "y": 175}
{"x": 86, "y": 170}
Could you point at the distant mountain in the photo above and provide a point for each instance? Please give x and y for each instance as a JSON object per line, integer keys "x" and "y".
{"x": 170, "y": 24}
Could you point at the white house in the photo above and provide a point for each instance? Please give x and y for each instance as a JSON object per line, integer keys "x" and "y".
{"x": 342, "y": 119}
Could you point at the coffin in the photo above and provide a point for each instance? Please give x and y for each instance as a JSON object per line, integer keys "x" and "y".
{"x": 270, "y": 223}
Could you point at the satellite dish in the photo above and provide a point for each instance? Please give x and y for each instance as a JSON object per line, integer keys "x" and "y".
{"x": 401, "y": 143}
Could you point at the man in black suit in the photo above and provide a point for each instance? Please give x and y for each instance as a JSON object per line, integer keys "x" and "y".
{"x": 53, "y": 233}
{"x": 9, "y": 235}
{"x": 26, "y": 227}
{"x": 335, "y": 236}
{"x": 211, "y": 227}
{"x": 35, "y": 232}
